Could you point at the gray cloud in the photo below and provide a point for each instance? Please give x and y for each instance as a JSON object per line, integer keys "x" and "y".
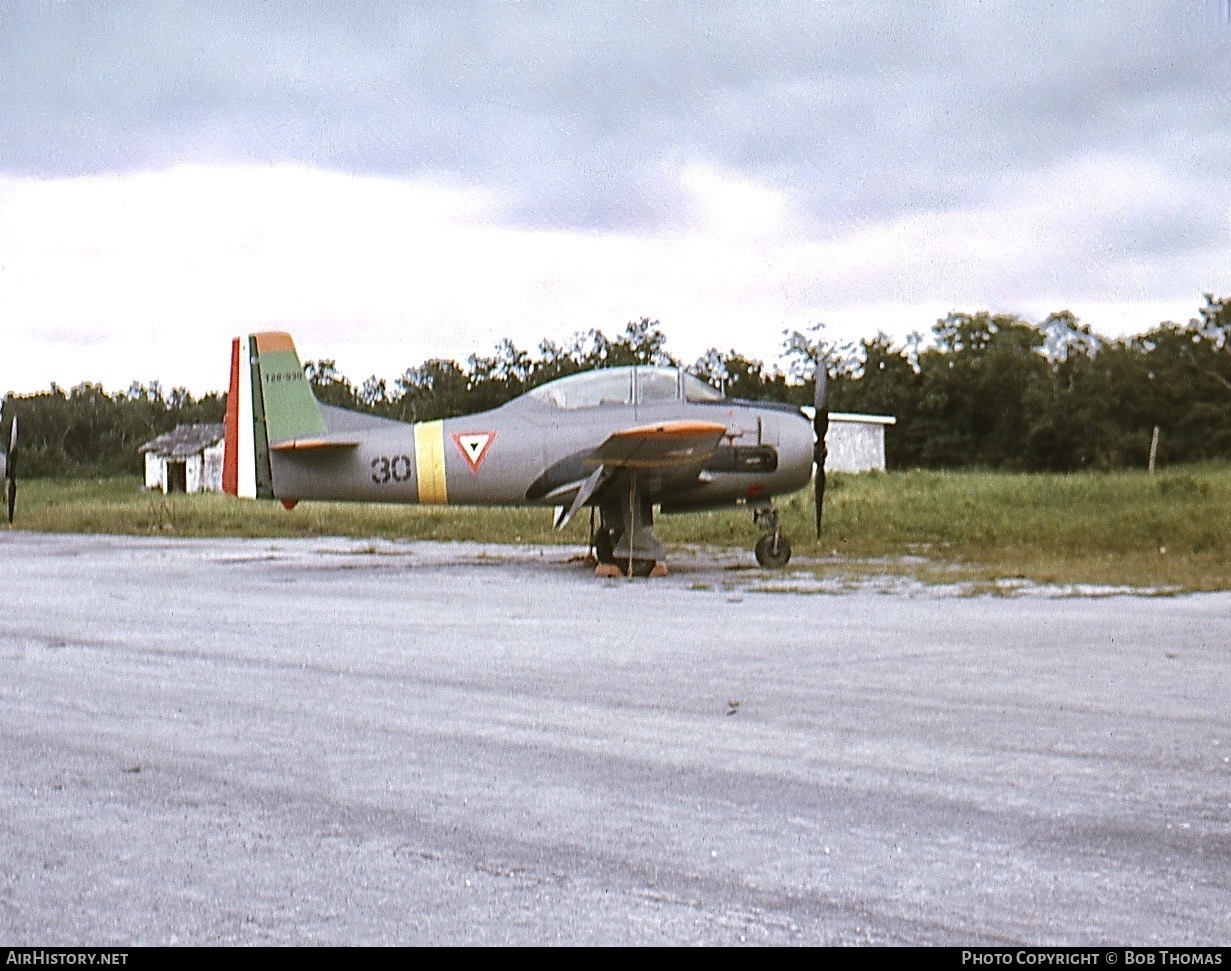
{"x": 580, "y": 115}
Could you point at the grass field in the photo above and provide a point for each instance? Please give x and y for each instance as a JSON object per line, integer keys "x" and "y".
{"x": 1169, "y": 531}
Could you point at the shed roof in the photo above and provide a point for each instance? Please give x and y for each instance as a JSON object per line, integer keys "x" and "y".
{"x": 185, "y": 440}
{"x": 852, "y": 417}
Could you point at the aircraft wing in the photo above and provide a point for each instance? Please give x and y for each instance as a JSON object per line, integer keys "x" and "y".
{"x": 660, "y": 446}
{"x": 679, "y": 447}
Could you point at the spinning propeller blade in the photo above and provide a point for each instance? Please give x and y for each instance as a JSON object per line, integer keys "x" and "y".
{"x": 10, "y": 469}
{"x": 820, "y": 425}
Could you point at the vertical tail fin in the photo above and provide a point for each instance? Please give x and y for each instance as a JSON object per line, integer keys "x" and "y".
{"x": 269, "y": 401}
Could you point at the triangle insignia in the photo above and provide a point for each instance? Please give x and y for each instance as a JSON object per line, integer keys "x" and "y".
{"x": 474, "y": 446}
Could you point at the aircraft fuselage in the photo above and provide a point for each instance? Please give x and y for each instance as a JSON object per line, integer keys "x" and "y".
{"x": 523, "y": 454}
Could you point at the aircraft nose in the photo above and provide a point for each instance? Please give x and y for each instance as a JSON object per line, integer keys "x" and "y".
{"x": 795, "y": 448}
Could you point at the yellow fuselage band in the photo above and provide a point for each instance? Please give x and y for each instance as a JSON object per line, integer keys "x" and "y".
{"x": 430, "y": 462}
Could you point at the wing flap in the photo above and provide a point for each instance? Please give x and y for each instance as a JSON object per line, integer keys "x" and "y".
{"x": 588, "y": 488}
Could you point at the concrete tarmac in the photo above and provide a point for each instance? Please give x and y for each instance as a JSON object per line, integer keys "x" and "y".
{"x": 326, "y": 741}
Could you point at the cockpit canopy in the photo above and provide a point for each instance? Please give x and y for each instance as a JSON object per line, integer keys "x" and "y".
{"x": 623, "y": 386}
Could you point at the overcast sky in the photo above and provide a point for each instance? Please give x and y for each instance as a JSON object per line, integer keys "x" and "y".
{"x": 398, "y": 181}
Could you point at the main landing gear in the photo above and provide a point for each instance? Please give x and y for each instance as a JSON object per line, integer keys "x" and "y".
{"x": 624, "y": 544}
{"x": 773, "y": 550}
{"x": 610, "y": 564}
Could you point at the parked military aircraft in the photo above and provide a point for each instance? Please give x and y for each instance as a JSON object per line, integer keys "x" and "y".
{"x": 620, "y": 440}
{"x": 8, "y": 469}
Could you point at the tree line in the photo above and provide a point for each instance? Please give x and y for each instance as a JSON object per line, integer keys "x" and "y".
{"x": 87, "y": 432}
{"x": 986, "y": 390}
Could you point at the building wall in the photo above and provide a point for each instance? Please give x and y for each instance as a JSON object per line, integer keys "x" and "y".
{"x": 193, "y": 466}
{"x": 155, "y": 472}
{"x": 203, "y": 471}
{"x": 855, "y": 447}
{"x": 211, "y": 476}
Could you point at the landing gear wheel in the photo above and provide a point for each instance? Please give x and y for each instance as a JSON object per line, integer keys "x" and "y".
{"x": 641, "y": 568}
{"x": 770, "y": 558}
{"x": 603, "y": 546}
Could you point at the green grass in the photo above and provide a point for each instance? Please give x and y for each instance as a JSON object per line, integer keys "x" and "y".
{"x": 119, "y": 506}
{"x": 1172, "y": 530}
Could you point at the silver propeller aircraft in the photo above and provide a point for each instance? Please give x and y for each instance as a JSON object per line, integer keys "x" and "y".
{"x": 620, "y": 440}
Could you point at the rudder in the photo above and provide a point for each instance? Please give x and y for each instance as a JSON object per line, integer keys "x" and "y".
{"x": 269, "y": 401}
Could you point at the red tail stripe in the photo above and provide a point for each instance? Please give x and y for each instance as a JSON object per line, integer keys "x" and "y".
{"x": 230, "y": 455}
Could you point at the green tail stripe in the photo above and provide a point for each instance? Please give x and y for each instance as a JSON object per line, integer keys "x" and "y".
{"x": 290, "y": 408}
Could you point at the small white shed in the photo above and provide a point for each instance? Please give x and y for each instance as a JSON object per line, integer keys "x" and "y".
{"x": 855, "y": 443}
{"x": 188, "y": 459}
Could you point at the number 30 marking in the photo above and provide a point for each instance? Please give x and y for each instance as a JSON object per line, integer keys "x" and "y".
{"x": 385, "y": 468}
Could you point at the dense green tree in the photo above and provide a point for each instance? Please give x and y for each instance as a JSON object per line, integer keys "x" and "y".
{"x": 988, "y": 390}
{"x": 1210, "y": 350}
{"x": 886, "y": 383}
{"x": 973, "y": 387}
{"x": 743, "y": 377}
{"x": 330, "y": 386}
{"x": 88, "y": 432}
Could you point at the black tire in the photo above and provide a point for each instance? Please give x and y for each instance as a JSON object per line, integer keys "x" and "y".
{"x": 603, "y": 546}
{"x": 768, "y": 557}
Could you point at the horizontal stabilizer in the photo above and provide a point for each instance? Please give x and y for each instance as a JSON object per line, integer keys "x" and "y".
{"x": 667, "y": 444}
{"x": 315, "y": 444}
